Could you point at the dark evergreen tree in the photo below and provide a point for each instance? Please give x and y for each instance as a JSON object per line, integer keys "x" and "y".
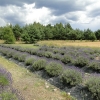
{"x": 97, "y": 33}
{"x": 89, "y": 35}
{"x": 17, "y": 30}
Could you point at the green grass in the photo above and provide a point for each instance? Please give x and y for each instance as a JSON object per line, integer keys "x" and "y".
{"x": 25, "y": 45}
{"x": 8, "y": 96}
{"x": 3, "y": 80}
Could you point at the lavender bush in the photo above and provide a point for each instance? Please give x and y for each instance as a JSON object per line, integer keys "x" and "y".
{"x": 71, "y": 77}
{"x": 54, "y": 69}
{"x": 39, "y": 64}
{"x": 93, "y": 85}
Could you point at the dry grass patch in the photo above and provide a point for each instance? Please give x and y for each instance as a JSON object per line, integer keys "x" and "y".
{"x": 30, "y": 85}
{"x": 70, "y": 43}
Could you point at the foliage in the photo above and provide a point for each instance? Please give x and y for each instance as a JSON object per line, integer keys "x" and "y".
{"x": 40, "y": 53}
{"x": 57, "y": 56}
{"x": 71, "y": 77}
{"x": 54, "y": 69}
{"x": 93, "y": 85}
{"x": 29, "y": 61}
{"x": 22, "y": 57}
{"x": 34, "y": 32}
{"x": 17, "y": 31}
{"x": 97, "y": 33}
{"x": 8, "y": 35}
{"x": 94, "y": 66}
{"x": 25, "y": 37}
{"x": 39, "y": 64}
{"x": 66, "y": 59}
{"x": 48, "y": 54}
{"x": 81, "y": 61}
{"x": 89, "y": 35}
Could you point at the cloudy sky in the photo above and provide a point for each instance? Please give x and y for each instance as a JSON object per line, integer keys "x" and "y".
{"x": 80, "y": 14}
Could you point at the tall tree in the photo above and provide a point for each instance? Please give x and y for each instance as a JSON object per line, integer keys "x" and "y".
{"x": 17, "y": 31}
{"x": 89, "y": 35}
{"x": 97, "y": 33}
{"x": 1, "y": 33}
{"x": 8, "y": 35}
{"x": 72, "y": 35}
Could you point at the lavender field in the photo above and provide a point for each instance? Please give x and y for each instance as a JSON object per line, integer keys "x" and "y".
{"x": 73, "y": 69}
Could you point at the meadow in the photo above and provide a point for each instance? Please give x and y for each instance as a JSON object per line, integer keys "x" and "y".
{"x": 71, "y": 66}
{"x": 61, "y": 43}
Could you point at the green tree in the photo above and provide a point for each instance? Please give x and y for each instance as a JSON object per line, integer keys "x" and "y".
{"x": 17, "y": 31}
{"x": 48, "y": 32}
{"x": 97, "y": 33}
{"x": 8, "y": 35}
{"x": 80, "y": 34}
{"x": 25, "y": 37}
{"x": 1, "y": 33}
{"x": 72, "y": 35}
{"x": 59, "y": 31}
{"x": 89, "y": 35}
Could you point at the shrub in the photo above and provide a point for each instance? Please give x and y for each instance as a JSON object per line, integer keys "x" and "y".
{"x": 29, "y": 61}
{"x": 40, "y": 64}
{"x": 55, "y": 51}
{"x": 16, "y": 55}
{"x": 81, "y": 62}
{"x": 22, "y": 49}
{"x": 94, "y": 66}
{"x": 71, "y": 77}
{"x": 92, "y": 57}
{"x": 22, "y": 57}
{"x": 66, "y": 59}
{"x": 33, "y": 52}
{"x": 48, "y": 54}
{"x": 40, "y": 53}
{"x": 10, "y": 53}
{"x": 93, "y": 85}
{"x": 57, "y": 56}
{"x": 54, "y": 69}
{"x": 62, "y": 52}
{"x": 4, "y": 52}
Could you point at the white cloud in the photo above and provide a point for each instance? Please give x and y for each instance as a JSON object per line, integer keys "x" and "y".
{"x": 2, "y": 21}
{"x": 41, "y": 15}
{"x": 88, "y": 17}
{"x": 27, "y": 13}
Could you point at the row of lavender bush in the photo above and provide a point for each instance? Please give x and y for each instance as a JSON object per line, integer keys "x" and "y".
{"x": 80, "y": 57}
{"x": 51, "y": 68}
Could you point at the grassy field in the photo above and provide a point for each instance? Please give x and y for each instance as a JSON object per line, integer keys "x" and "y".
{"x": 70, "y": 43}
{"x": 59, "y": 43}
{"x": 31, "y": 86}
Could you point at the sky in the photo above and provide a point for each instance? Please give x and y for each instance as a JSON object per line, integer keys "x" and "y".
{"x": 80, "y": 14}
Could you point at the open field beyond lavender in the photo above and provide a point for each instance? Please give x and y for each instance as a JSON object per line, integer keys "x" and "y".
{"x": 60, "y": 43}
{"x": 75, "y": 70}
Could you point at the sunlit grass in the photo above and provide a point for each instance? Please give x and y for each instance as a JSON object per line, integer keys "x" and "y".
{"x": 61, "y": 43}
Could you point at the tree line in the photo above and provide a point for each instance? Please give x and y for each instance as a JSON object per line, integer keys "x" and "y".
{"x": 34, "y": 32}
